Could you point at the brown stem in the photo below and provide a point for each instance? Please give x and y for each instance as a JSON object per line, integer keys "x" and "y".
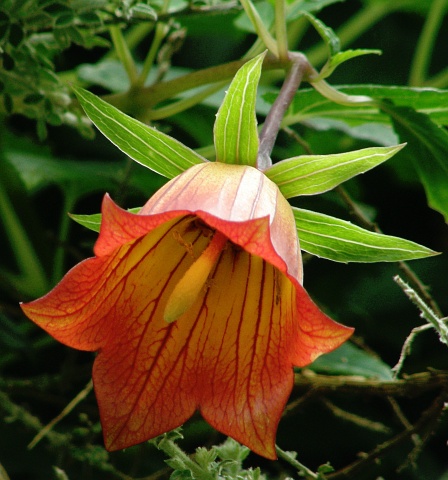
{"x": 298, "y": 68}
{"x": 411, "y": 386}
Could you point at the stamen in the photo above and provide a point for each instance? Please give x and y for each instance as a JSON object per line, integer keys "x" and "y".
{"x": 190, "y": 285}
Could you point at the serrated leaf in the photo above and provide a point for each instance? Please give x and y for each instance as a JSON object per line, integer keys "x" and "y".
{"x": 147, "y": 146}
{"x": 351, "y": 360}
{"x": 341, "y": 241}
{"x": 235, "y": 130}
{"x": 430, "y": 145}
{"x": 313, "y": 174}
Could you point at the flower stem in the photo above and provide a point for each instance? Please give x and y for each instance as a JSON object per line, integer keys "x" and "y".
{"x": 259, "y": 26}
{"x": 299, "y": 66}
{"x": 280, "y": 29}
{"x": 159, "y": 35}
{"x": 425, "y": 44}
{"x": 123, "y": 53}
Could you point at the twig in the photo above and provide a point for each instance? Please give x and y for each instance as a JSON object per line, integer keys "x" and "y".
{"x": 356, "y": 419}
{"x": 406, "y": 349}
{"x": 423, "y": 426}
{"x": 302, "y": 469}
{"x": 426, "y": 312}
{"x": 45, "y": 430}
{"x": 411, "y": 386}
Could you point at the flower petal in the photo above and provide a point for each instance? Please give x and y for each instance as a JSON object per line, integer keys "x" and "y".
{"x": 235, "y": 194}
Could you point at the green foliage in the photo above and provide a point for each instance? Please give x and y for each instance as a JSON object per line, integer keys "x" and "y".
{"x": 236, "y": 135}
{"x": 145, "y": 145}
{"x": 150, "y": 76}
{"x": 351, "y": 360}
{"x": 313, "y": 174}
{"x": 341, "y": 241}
{"x": 429, "y": 144}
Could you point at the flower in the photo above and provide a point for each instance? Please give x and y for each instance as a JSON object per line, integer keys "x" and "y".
{"x": 194, "y": 303}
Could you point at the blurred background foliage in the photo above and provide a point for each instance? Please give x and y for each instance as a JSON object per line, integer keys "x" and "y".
{"x": 52, "y": 162}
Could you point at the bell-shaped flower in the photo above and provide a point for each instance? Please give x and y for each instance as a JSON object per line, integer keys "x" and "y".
{"x": 194, "y": 303}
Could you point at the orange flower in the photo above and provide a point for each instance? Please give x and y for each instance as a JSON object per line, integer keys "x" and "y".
{"x": 194, "y": 303}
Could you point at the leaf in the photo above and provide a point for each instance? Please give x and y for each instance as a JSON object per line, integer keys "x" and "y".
{"x": 93, "y": 222}
{"x": 147, "y": 146}
{"x": 235, "y": 131}
{"x": 109, "y": 74}
{"x": 38, "y": 169}
{"x": 429, "y": 143}
{"x": 341, "y": 57}
{"x": 351, "y": 360}
{"x": 312, "y": 174}
{"x": 326, "y": 33}
{"x": 308, "y": 103}
{"x": 341, "y": 241}
{"x": 299, "y": 6}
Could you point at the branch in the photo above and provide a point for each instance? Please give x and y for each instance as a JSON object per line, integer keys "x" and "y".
{"x": 423, "y": 428}
{"x": 411, "y": 386}
{"x": 146, "y": 98}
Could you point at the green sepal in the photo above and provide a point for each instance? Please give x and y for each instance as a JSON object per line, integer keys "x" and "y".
{"x": 93, "y": 222}
{"x": 146, "y": 145}
{"x": 341, "y": 241}
{"x": 313, "y": 174}
{"x": 235, "y": 130}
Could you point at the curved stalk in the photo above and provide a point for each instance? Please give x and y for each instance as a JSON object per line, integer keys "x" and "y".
{"x": 425, "y": 45}
{"x": 123, "y": 53}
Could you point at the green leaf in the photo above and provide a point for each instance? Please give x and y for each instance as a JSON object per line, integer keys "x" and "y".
{"x": 326, "y": 33}
{"x": 144, "y": 12}
{"x": 38, "y": 169}
{"x": 235, "y": 131}
{"x": 342, "y": 57}
{"x": 429, "y": 143}
{"x": 93, "y": 222}
{"x": 309, "y": 104}
{"x": 351, "y": 360}
{"x": 296, "y": 7}
{"x": 313, "y": 174}
{"x": 341, "y": 241}
{"x": 147, "y": 146}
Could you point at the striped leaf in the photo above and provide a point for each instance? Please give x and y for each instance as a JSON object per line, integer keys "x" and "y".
{"x": 146, "y": 145}
{"x": 235, "y": 131}
{"x": 313, "y": 174}
{"x": 341, "y": 241}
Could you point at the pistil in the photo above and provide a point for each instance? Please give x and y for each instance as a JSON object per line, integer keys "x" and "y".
{"x": 191, "y": 284}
